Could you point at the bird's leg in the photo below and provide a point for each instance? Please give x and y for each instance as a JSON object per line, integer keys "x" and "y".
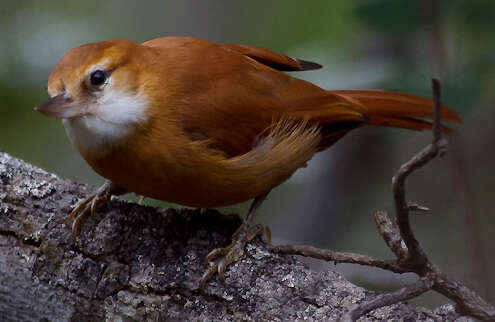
{"x": 233, "y": 252}
{"x": 88, "y": 206}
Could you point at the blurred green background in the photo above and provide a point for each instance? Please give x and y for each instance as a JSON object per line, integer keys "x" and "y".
{"x": 388, "y": 44}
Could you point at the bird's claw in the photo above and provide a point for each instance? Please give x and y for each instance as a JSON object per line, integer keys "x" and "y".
{"x": 87, "y": 207}
{"x": 232, "y": 253}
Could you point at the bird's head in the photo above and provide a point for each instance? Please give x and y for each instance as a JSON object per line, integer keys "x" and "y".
{"x": 98, "y": 79}
{"x": 98, "y": 90}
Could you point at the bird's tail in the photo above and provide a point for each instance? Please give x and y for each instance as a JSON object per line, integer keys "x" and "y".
{"x": 398, "y": 110}
{"x": 338, "y": 112}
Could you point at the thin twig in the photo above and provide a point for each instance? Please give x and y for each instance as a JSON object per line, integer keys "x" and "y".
{"x": 468, "y": 302}
{"x": 417, "y": 256}
{"x": 339, "y": 257}
{"x": 391, "y": 235}
{"x": 415, "y": 207}
{"x": 403, "y": 294}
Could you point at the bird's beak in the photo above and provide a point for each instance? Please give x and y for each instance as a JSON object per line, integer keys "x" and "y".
{"x": 61, "y": 107}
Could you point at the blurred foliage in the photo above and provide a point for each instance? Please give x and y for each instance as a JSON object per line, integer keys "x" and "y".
{"x": 389, "y": 44}
{"x": 388, "y": 16}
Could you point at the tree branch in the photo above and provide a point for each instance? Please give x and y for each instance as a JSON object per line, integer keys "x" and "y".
{"x": 140, "y": 263}
{"x": 404, "y": 294}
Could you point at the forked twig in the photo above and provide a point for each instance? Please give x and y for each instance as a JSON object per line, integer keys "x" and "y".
{"x": 400, "y": 238}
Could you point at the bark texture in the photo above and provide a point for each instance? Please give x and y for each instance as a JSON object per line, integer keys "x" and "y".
{"x": 139, "y": 263}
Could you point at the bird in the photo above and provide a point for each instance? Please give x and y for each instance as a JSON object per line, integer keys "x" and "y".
{"x": 204, "y": 124}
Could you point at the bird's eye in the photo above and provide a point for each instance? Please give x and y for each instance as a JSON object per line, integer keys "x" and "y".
{"x": 98, "y": 78}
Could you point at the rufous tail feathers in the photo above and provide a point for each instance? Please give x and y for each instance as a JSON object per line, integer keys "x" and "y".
{"x": 398, "y": 110}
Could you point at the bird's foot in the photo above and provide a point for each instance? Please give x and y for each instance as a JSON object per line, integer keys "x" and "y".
{"x": 233, "y": 252}
{"x": 88, "y": 206}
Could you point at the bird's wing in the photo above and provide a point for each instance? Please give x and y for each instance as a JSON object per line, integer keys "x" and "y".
{"x": 229, "y": 95}
{"x": 270, "y": 58}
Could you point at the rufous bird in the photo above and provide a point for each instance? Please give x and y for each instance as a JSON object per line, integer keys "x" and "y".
{"x": 202, "y": 124}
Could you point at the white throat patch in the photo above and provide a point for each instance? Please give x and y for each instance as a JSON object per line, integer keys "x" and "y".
{"x": 112, "y": 118}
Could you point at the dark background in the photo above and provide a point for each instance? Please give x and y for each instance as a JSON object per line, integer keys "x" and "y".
{"x": 388, "y": 44}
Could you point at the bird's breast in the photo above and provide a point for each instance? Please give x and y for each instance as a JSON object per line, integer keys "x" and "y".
{"x": 94, "y": 137}
{"x": 165, "y": 164}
